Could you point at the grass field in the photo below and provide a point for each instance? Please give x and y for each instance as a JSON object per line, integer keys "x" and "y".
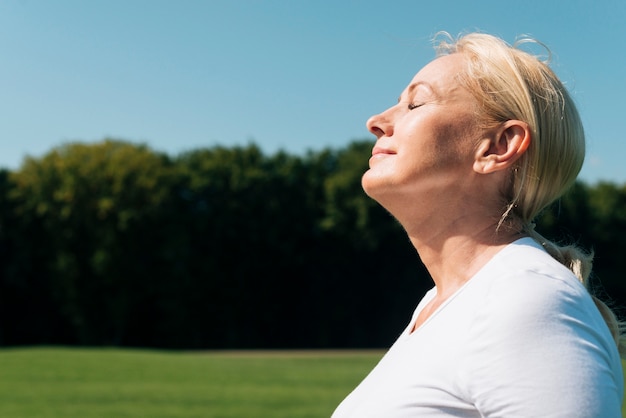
{"x": 73, "y": 383}
{"x": 88, "y": 383}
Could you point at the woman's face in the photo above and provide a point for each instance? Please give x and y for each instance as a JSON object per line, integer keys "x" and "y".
{"x": 425, "y": 143}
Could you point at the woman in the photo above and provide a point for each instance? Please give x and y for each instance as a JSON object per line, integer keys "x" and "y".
{"x": 482, "y": 139}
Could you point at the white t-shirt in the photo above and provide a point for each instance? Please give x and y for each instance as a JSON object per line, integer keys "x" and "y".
{"x": 522, "y": 338}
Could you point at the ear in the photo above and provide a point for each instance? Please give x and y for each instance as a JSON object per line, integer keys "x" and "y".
{"x": 503, "y": 147}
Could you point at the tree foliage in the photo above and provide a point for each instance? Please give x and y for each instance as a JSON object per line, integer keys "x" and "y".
{"x": 114, "y": 244}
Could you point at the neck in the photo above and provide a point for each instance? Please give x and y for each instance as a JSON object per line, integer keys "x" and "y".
{"x": 457, "y": 251}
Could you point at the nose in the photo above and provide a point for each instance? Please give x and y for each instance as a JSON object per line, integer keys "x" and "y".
{"x": 380, "y": 125}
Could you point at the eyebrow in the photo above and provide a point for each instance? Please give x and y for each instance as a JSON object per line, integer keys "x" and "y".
{"x": 415, "y": 85}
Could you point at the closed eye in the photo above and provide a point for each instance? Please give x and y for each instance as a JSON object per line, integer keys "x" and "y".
{"x": 415, "y": 105}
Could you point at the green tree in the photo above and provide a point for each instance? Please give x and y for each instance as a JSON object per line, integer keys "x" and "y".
{"x": 112, "y": 243}
{"x": 254, "y": 221}
{"x": 607, "y": 204}
{"x": 94, "y": 209}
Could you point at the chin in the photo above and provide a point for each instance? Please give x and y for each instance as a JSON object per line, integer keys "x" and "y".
{"x": 372, "y": 185}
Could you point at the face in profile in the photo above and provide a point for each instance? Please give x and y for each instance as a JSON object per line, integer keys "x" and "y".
{"x": 426, "y": 142}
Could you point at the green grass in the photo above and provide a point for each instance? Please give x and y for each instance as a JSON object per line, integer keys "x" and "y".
{"x": 84, "y": 383}
{"x": 64, "y": 382}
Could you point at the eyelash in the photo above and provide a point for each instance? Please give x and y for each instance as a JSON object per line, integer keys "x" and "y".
{"x": 415, "y": 106}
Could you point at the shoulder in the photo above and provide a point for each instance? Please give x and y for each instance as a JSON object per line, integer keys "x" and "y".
{"x": 527, "y": 294}
{"x": 537, "y": 332}
{"x": 525, "y": 280}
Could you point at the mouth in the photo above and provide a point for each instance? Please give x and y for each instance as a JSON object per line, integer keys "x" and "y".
{"x": 381, "y": 151}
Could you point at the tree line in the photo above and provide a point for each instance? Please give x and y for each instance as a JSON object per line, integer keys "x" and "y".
{"x": 112, "y": 243}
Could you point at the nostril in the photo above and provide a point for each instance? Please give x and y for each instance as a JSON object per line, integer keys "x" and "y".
{"x": 376, "y": 131}
{"x": 374, "y": 126}
{"x": 380, "y": 125}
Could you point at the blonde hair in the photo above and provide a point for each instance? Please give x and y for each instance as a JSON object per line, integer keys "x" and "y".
{"x": 510, "y": 83}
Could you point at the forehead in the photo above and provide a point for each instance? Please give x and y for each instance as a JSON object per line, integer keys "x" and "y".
{"x": 439, "y": 75}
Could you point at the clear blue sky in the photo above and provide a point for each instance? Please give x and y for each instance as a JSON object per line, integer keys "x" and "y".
{"x": 285, "y": 74}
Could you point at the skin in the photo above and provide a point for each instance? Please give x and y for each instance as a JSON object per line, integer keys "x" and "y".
{"x": 442, "y": 175}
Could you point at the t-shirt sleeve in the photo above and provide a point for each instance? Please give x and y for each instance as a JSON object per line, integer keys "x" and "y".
{"x": 539, "y": 348}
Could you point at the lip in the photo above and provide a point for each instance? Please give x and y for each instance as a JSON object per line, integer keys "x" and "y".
{"x": 379, "y": 150}
{"x": 379, "y": 153}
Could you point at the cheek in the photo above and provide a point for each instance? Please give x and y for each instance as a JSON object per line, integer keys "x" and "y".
{"x": 455, "y": 143}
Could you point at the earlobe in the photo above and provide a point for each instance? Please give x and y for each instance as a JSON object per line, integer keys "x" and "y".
{"x": 502, "y": 149}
